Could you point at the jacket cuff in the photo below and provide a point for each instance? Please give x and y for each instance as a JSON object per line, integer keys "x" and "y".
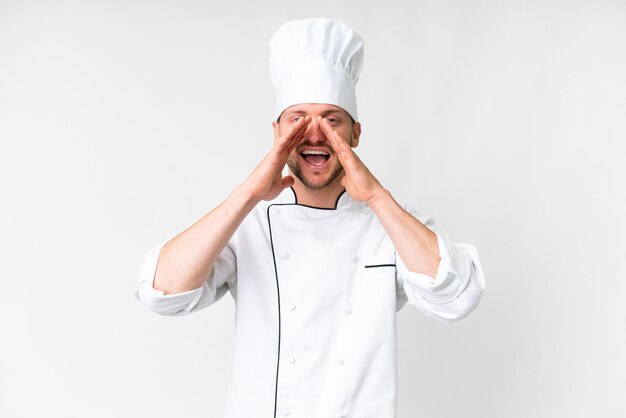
{"x": 452, "y": 277}
{"x": 156, "y": 300}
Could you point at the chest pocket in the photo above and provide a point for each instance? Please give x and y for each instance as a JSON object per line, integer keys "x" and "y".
{"x": 385, "y": 261}
{"x": 375, "y": 295}
{"x": 378, "y": 273}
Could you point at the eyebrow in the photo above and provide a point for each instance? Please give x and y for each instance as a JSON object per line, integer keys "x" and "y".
{"x": 328, "y": 112}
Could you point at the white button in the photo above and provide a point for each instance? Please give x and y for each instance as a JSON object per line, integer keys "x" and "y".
{"x": 276, "y": 211}
{"x": 292, "y": 360}
{"x": 354, "y": 258}
{"x": 292, "y": 307}
{"x": 348, "y": 311}
{"x": 285, "y": 256}
{"x": 340, "y": 361}
{"x": 361, "y": 215}
{"x": 285, "y": 413}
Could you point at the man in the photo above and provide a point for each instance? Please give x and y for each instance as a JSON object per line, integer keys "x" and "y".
{"x": 319, "y": 261}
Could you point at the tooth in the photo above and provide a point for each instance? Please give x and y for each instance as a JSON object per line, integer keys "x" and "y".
{"x": 315, "y": 152}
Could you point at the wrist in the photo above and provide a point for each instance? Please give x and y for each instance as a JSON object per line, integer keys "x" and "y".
{"x": 245, "y": 196}
{"x": 379, "y": 198}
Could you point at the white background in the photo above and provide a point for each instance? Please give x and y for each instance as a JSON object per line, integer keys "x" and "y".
{"x": 123, "y": 122}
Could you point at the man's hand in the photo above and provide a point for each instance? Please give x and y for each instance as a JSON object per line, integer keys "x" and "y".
{"x": 415, "y": 242}
{"x": 356, "y": 178}
{"x": 266, "y": 181}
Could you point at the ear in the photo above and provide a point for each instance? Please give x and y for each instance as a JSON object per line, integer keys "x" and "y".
{"x": 356, "y": 134}
{"x": 276, "y": 127}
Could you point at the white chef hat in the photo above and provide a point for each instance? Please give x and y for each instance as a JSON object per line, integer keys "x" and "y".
{"x": 316, "y": 61}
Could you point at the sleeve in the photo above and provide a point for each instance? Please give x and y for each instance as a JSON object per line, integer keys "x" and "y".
{"x": 222, "y": 278}
{"x": 457, "y": 288}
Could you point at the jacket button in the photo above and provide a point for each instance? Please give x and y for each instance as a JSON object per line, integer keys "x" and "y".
{"x": 354, "y": 258}
{"x": 292, "y": 360}
{"x": 348, "y": 311}
{"x": 285, "y": 256}
{"x": 340, "y": 361}
{"x": 292, "y": 307}
{"x": 285, "y": 413}
{"x": 361, "y": 215}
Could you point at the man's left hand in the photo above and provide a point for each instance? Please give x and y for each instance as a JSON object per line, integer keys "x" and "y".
{"x": 356, "y": 178}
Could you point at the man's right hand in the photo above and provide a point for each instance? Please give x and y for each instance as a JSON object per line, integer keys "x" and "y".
{"x": 185, "y": 262}
{"x": 266, "y": 181}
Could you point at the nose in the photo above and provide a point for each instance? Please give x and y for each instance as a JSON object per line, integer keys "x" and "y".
{"x": 314, "y": 132}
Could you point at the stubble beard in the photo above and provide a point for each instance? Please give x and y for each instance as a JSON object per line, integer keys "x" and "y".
{"x": 296, "y": 169}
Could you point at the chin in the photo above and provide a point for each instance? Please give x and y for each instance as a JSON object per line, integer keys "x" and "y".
{"x": 314, "y": 181}
{"x": 316, "y": 184}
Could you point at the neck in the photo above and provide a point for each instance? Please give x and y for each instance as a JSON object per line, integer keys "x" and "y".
{"x": 320, "y": 198}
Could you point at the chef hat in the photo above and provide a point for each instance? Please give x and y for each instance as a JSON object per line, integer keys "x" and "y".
{"x": 316, "y": 61}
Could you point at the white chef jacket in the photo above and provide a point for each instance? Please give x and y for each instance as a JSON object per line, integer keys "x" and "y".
{"x": 316, "y": 294}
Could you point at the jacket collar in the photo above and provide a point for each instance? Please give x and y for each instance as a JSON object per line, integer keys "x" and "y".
{"x": 344, "y": 201}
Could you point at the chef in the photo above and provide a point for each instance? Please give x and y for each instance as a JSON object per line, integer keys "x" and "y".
{"x": 318, "y": 261}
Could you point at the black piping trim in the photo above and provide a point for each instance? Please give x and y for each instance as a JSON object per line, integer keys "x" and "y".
{"x": 269, "y": 223}
{"x": 339, "y": 197}
{"x": 295, "y": 196}
{"x": 379, "y": 265}
{"x": 313, "y": 207}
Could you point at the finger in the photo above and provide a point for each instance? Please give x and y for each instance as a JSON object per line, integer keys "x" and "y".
{"x": 286, "y": 143}
{"x": 287, "y": 181}
{"x": 295, "y": 132}
{"x": 336, "y": 141}
{"x": 299, "y": 134}
{"x": 341, "y": 147}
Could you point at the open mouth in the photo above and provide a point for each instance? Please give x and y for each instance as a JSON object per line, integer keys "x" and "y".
{"x": 315, "y": 158}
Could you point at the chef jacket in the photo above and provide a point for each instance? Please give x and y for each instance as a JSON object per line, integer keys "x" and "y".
{"x": 316, "y": 293}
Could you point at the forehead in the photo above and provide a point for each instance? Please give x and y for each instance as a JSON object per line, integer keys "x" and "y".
{"x": 313, "y": 108}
